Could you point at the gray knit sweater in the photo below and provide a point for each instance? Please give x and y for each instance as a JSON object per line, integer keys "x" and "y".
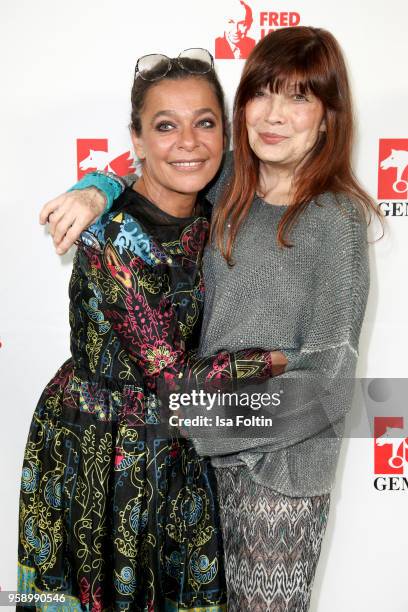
{"x": 307, "y": 301}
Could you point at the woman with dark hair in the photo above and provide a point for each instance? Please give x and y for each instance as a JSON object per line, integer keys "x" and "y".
{"x": 116, "y": 511}
{"x": 290, "y": 174}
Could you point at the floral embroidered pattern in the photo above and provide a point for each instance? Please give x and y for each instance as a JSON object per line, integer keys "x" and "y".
{"x": 113, "y": 513}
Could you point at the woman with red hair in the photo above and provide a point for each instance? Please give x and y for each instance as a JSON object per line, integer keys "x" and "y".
{"x": 286, "y": 268}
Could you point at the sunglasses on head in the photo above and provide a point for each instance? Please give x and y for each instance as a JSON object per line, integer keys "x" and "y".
{"x": 155, "y": 66}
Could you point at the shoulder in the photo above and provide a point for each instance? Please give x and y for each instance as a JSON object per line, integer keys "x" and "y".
{"x": 95, "y": 235}
{"x": 350, "y": 231}
{"x": 337, "y": 225}
{"x": 341, "y": 202}
{"x": 340, "y": 212}
{"x": 120, "y": 228}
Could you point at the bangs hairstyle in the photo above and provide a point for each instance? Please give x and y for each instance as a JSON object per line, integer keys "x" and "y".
{"x": 305, "y": 60}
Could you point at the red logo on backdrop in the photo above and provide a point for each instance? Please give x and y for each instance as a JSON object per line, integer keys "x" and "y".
{"x": 390, "y": 447}
{"x": 393, "y": 169}
{"x": 93, "y": 154}
{"x": 235, "y": 42}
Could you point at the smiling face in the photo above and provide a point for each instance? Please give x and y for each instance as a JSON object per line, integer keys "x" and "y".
{"x": 181, "y": 141}
{"x": 283, "y": 127}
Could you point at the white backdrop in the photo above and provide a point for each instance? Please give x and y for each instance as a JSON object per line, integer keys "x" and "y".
{"x": 67, "y": 70}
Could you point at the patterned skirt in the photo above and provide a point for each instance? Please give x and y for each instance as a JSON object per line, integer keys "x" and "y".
{"x": 112, "y": 515}
{"x": 271, "y": 541}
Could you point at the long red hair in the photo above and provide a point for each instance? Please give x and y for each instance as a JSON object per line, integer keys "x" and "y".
{"x": 313, "y": 59}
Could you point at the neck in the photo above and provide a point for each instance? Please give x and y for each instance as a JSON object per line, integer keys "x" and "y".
{"x": 275, "y": 183}
{"x": 172, "y": 202}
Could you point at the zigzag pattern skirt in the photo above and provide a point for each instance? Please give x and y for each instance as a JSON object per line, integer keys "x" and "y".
{"x": 271, "y": 543}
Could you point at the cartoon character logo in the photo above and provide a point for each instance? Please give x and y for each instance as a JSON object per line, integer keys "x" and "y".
{"x": 393, "y": 169}
{"x": 390, "y": 445}
{"x": 235, "y": 44}
{"x": 93, "y": 154}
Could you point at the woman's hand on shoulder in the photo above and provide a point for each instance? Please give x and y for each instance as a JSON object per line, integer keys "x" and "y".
{"x": 70, "y": 214}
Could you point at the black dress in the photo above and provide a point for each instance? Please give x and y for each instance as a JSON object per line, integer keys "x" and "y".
{"x": 114, "y": 514}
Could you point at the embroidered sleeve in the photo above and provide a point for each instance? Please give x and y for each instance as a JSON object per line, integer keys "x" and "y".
{"x": 120, "y": 258}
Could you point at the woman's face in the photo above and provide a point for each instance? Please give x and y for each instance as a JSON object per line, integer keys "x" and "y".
{"x": 283, "y": 127}
{"x": 181, "y": 141}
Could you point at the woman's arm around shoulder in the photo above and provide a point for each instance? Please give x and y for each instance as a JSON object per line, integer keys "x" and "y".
{"x": 72, "y": 212}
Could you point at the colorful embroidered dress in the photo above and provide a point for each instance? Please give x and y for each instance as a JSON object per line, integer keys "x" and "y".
{"x": 114, "y": 512}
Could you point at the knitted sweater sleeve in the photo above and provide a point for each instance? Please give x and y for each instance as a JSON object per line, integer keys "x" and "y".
{"x": 318, "y": 381}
